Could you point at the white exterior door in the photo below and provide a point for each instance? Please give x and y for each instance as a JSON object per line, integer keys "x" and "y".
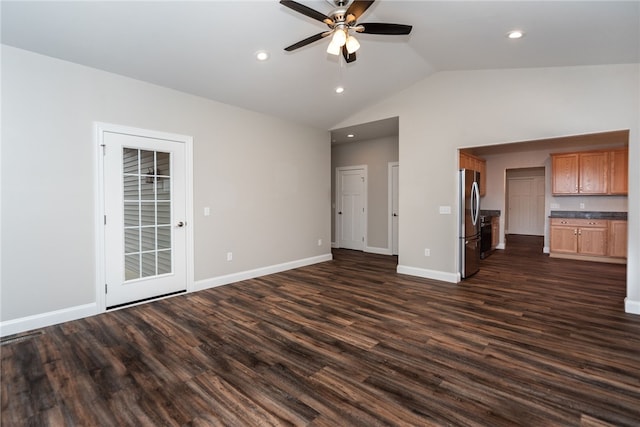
{"x": 395, "y": 212}
{"x": 145, "y": 217}
{"x": 351, "y": 208}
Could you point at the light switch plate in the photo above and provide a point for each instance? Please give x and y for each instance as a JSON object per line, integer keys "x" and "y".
{"x": 444, "y": 210}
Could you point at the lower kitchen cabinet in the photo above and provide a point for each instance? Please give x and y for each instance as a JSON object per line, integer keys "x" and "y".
{"x": 618, "y": 238}
{"x": 589, "y": 239}
{"x": 564, "y": 239}
{"x": 593, "y": 241}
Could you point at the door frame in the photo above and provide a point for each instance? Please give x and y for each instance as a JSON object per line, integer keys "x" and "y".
{"x": 390, "y": 167}
{"x": 99, "y": 128}
{"x": 338, "y": 230}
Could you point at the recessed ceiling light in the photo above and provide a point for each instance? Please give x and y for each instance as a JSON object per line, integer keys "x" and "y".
{"x": 339, "y": 89}
{"x": 515, "y": 34}
{"x": 262, "y": 55}
{"x": 350, "y": 135}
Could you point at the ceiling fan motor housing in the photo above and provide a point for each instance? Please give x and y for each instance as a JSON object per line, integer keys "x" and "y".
{"x": 338, "y": 15}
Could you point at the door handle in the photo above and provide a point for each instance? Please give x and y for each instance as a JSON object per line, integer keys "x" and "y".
{"x": 339, "y": 213}
{"x": 395, "y": 214}
{"x": 181, "y": 224}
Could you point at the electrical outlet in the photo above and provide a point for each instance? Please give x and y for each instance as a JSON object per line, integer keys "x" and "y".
{"x": 319, "y": 242}
{"x": 207, "y": 211}
{"x": 229, "y": 256}
{"x": 581, "y": 205}
{"x": 427, "y": 252}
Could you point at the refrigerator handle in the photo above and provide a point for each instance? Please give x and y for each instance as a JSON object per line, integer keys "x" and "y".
{"x": 475, "y": 202}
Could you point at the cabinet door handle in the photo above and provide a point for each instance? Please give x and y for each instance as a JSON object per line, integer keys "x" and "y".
{"x": 575, "y": 232}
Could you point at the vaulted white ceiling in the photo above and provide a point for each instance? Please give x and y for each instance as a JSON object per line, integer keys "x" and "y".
{"x": 207, "y": 48}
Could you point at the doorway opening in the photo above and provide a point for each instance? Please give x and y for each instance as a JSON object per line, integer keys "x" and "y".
{"x": 525, "y": 204}
{"x": 375, "y": 146}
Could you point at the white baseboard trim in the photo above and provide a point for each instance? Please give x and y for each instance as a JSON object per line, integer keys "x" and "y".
{"x": 379, "y": 251}
{"x": 545, "y": 250}
{"x": 631, "y": 306}
{"x": 23, "y": 324}
{"x": 429, "y": 274}
{"x": 258, "y": 272}
{"x": 500, "y": 246}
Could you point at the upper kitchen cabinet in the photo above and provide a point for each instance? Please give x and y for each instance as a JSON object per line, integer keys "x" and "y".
{"x": 469, "y": 161}
{"x": 600, "y": 172}
{"x": 593, "y": 174}
{"x": 564, "y": 168}
{"x": 619, "y": 171}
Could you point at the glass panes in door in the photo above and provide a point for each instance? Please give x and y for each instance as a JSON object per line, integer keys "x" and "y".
{"x": 147, "y": 213}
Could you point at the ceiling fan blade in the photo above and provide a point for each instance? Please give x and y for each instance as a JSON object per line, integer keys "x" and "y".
{"x": 358, "y": 7}
{"x": 349, "y": 57}
{"x": 307, "y": 41}
{"x": 305, "y": 10}
{"x": 389, "y": 29}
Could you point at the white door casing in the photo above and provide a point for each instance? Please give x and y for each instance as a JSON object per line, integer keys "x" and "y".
{"x": 351, "y": 196}
{"x": 146, "y": 231}
{"x": 394, "y": 211}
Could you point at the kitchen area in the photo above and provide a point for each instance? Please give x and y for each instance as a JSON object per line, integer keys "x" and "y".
{"x": 570, "y": 191}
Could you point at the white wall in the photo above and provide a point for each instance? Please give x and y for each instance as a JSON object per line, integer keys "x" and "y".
{"x": 266, "y": 180}
{"x": 452, "y": 110}
{"x": 376, "y": 154}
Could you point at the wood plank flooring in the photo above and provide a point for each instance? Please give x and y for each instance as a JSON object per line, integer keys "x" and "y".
{"x": 528, "y": 341}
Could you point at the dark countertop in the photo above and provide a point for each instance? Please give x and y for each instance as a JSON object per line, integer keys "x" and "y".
{"x": 487, "y": 212}
{"x": 588, "y": 215}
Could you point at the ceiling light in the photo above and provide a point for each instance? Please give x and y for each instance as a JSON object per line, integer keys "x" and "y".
{"x": 352, "y": 44}
{"x": 262, "y": 55}
{"x": 339, "y": 89}
{"x": 350, "y": 135}
{"x": 333, "y": 48}
{"x": 515, "y": 34}
{"x": 339, "y": 37}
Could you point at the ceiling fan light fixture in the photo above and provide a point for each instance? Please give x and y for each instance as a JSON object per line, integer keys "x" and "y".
{"x": 339, "y": 37}
{"x": 352, "y": 44}
{"x": 333, "y": 48}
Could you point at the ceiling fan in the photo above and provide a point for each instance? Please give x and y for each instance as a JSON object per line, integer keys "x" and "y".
{"x": 343, "y": 22}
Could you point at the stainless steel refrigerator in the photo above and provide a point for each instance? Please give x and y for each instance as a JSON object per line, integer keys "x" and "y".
{"x": 469, "y": 237}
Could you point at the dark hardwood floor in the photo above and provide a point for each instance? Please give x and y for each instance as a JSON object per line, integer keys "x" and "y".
{"x": 528, "y": 341}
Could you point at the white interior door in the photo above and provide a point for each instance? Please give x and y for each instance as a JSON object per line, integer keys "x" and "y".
{"x": 145, "y": 217}
{"x": 526, "y": 206}
{"x": 351, "y": 208}
{"x": 395, "y": 211}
